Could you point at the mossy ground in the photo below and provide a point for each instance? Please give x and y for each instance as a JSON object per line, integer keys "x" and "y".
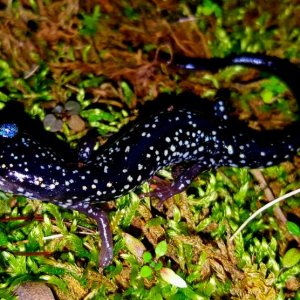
{"x": 99, "y": 54}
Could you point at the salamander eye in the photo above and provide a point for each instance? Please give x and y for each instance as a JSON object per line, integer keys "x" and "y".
{"x": 8, "y": 130}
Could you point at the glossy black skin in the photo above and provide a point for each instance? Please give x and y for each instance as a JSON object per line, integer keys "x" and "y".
{"x": 206, "y": 139}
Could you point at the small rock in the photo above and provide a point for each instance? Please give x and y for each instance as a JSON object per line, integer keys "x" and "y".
{"x": 34, "y": 291}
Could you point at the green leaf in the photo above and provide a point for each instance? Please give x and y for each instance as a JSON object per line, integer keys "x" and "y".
{"x": 90, "y": 22}
{"x": 6, "y": 72}
{"x": 127, "y": 91}
{"x": 74, "y": 243}
{"x": 3, "y": 239}
{"x": 274, "y": 85}
{"x": 54, "y": 211}
{"x": 293, "y": 228}
{"x": 161, "y": 249}
{"x": 91, "y": 81}
{"x": 155, "y": 293}
{"x": 158, "y": 266}
{"x": 147, "y": 257}
{"x": 146, "y": 271}
{"x": 52, "y": 270}
{"x": 60, "y": 283}
{"x": 131, "y": 13}
{"x": 291, "y": 258}
{"x": 35, "y": 238}
{"x": 208, "y": 8}
{"x": 156, "y": 222}
{"x": 17, "y": 264}
{"x": 267, "y": 96}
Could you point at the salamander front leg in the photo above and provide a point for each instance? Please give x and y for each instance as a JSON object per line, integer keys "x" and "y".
{"x": 106, "y": 253}
{"x": 165, "y": 190}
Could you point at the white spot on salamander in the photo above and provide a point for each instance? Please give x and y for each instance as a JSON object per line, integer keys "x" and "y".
{"x": 230, "y": 149}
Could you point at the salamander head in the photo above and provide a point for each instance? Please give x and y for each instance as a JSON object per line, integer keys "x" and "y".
{"x": 26, "y": 166}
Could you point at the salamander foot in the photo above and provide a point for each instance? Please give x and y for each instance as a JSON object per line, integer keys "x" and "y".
{"x": 165, "y": 190}
{"x": 106, "y": 252}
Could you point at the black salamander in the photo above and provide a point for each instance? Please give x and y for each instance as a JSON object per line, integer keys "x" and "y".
{"x": 205, "y": 139}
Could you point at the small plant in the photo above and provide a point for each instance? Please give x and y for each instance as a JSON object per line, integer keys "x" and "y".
{"x": 90, "y": 22}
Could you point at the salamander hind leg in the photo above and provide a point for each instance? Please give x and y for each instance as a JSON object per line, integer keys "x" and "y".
{"x": 165, "y": 190}
{"x": 106, "y": 253}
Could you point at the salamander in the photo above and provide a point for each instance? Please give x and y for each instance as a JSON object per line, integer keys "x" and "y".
{"x": 205, "y": 139}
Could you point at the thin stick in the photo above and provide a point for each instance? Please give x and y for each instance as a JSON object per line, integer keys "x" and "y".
{"x": 277, "y": 200}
